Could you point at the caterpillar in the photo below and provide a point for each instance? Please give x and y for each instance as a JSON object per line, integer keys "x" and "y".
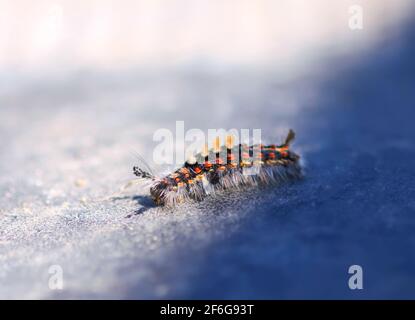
{"x": 206, "y": 173}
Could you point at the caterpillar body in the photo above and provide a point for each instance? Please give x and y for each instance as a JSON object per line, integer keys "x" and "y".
{"x": 206, "y": 174}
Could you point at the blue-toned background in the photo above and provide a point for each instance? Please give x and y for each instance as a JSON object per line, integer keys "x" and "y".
{"x": 70, "y": 130}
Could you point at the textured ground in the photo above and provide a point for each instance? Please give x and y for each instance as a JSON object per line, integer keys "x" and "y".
{"x": 67, "y": 143}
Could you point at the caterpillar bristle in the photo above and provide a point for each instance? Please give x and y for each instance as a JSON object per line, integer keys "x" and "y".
{"x": 191, "y": 159}
{"x": 230, "y": 141}
{"x": 205, "y": 151}
{"x": 216, "y": 145}
{"x": 290, "y": 137}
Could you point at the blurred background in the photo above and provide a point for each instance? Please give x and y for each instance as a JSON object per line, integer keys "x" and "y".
{"x": 63, "y": 35}
{"x": 85, "y": 84}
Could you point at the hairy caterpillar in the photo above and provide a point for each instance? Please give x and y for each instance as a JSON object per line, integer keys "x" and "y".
{"x": 207, "y": 173}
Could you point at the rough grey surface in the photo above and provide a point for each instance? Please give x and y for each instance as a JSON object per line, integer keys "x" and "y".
{"x": 69, "y": 143}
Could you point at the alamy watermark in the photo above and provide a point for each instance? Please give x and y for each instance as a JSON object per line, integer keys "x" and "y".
{"x": 56, "y": 277}
{"x": 177, "y": 147}
{"x": 356, "y": 17}
{"x": 356, "y": 280}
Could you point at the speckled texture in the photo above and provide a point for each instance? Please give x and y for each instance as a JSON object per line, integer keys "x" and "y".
{"x": 68, "y": 143}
